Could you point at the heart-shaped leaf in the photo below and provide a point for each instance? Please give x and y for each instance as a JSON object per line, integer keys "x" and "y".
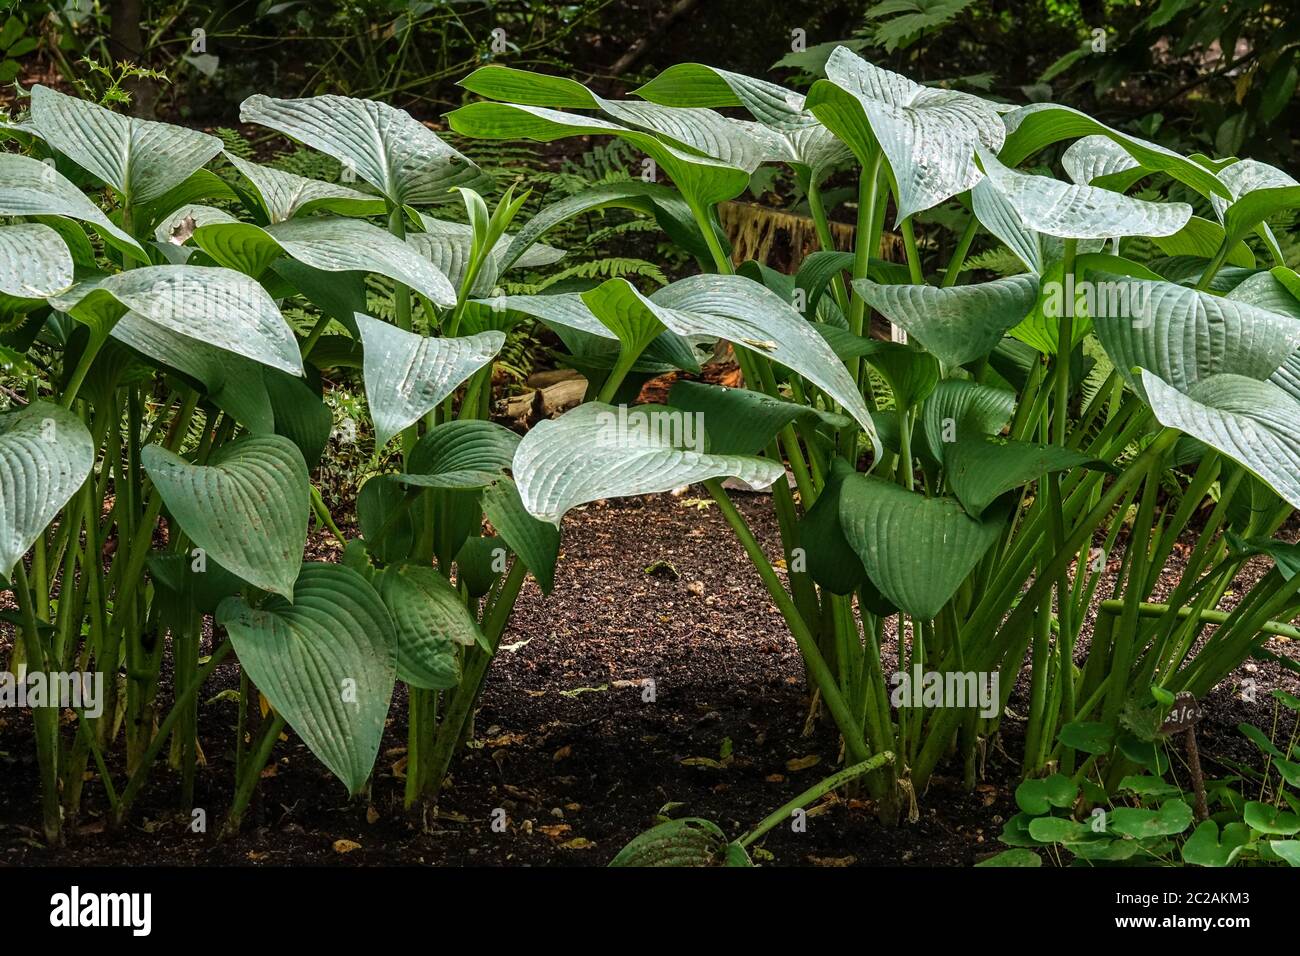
{"x": 1184, "y": 336}
{"x": 429, "y": 619}
{"x": 217, "y": 307}
{"x": 959, "y": 324}
{"x": 927, "y": 135}
{"x": 141, "y": 159}
{"x": 1251, "y": 422}
{"x": 1071, "y": 211}
{"x": 34, "y": 262}
{"x": 916, "y": 550}
{"x": 45, "y": 455}
{"x": 407, "y": 375}
{"x": 593, "y": 452}
{"x": 247, "y": 508}
{"x": 464, "y": 454}
{"x": 328, "y": 244}
{"x": 326, "y": 662}
{"x": 284, "y": 195}
{"x": 401, "y": 157}
{"x": 1205, "y": 847}
{"x": 534, "y": 542}
{"x": 1037, "y": 796}
{"x": 29, "y": 187}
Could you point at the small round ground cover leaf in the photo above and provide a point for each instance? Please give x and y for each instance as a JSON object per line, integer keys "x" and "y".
{"x": 327, "y": 663}
{"x": 1174, "y": 816}
{"x": 1038, "y": 796}
{"x": 247, "y": 508}
{"x": 1208, "y": 847}
{"x": 1018, "y": 857}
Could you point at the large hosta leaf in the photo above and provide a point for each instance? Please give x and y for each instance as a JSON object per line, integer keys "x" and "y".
{"x": 981, "y": 468}
{"x": 1071, "y": 211}
{"x": 1252, "y": 422}
{"x": 247, "y": 508}
{"x": 585, "y": 455}
{"x": 34, "y": 262}
{"x": 233, "y": 383}
{"x": 536, "y": 543}
{"x": 664, "y": 203}
{"x": 751, "y": 316}
{"x": 739, "y": 421}
{"x": 326, "y": 662}
{"x": 407, "y": 375}
{"x": 1270, "y": 291}
{"x": 429, "y": 619}
{"x": 703, "y": 179}
{"x": 959, "y": 408}
{"x": 385, "y": 146}
{"x": 1184, "y": 336}
{"x": 464, "y": 454}
{"x": 284, "y": 195}
{"x": 958, "y": 324}
{"x": 45, "y": 455}
{"x": 1030, "y": 128}
{"x": 1098, "y": 160}
{"x": 734, "y": 142}
{"x": 218, "y": 307}
{"x": 1258, "y": 192}
{"x": 29, "y": 187}
{"x": 928, "y": 136}
{"x": 325, "y": 243}
{"x": 916, "y": 550}
{"x": 807, "y": 142}
{"x": 141, "y": 159}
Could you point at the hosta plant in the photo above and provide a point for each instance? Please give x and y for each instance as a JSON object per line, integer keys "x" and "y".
{"x": 157, "y": 471}
{"x": 968, "y": 490}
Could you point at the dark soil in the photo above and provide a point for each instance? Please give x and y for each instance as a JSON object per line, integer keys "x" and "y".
{"x": 569, "y": 745}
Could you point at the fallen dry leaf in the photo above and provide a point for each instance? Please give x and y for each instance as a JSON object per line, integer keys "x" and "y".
{"x": 803, "y": 763}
